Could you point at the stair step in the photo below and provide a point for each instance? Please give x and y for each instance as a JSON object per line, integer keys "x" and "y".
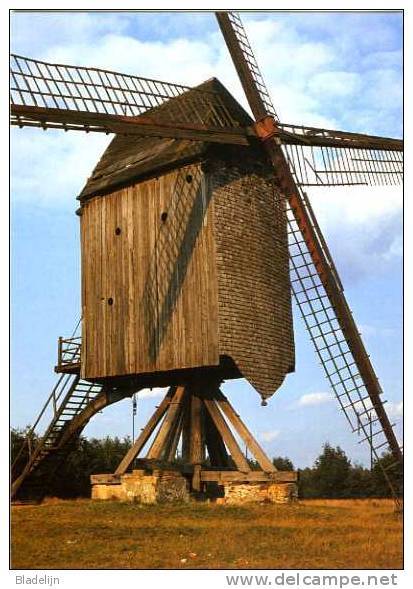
{"x": 71, "y": 397}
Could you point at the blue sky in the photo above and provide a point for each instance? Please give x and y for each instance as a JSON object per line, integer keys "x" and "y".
{"x": 338, "y": 70}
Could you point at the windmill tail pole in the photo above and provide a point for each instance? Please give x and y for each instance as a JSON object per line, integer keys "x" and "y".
{"x": 267, "y": 130}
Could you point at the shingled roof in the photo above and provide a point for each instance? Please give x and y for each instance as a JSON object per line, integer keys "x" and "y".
{"x": 130, "y": 157}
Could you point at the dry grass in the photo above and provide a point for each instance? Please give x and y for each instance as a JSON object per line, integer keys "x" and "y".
{"x": 309, "y": 535}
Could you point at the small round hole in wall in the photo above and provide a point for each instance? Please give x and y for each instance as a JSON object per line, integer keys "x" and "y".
{"x": 118, "y": 231}
{"x": 164, "y": 216}
{"x": 188, "y": 178}
{"x": 110, "y": 301}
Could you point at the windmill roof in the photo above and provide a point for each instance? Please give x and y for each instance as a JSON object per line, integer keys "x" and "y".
{"x": 130, "y": 157}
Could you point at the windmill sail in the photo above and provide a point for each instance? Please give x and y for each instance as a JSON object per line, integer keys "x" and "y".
{"x": 322, "y": 157}
{"x": 315, "y": 283}
{"x": 88, "y": 99}
{"x": 95, "y": 100}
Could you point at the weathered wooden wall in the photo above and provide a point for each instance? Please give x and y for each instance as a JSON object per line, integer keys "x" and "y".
{"x": 158, "y": 273}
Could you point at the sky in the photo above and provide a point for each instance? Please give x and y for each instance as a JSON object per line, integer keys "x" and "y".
{"x": 336, "y": 70}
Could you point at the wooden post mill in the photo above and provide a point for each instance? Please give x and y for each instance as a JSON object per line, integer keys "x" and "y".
{"x": 195, "y": 233}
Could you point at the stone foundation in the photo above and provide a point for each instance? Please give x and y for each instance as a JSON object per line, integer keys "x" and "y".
{"x": 141, "y": 487}
{"x": 163, "y": 486}
{"x": 241, "y": 493}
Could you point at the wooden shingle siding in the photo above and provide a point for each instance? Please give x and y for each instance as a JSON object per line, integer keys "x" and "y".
{"x": 255, "y": 316}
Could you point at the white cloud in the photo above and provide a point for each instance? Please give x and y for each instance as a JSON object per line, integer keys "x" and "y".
{"x": 183, "y": 60}
{"x": 363, "y": 406}
{"x": 269, "y": 436}
{"x": 367, "y": 330}
{"x": 394, "y": 409}
{"x": 152, "y": 393}
{"x": 355, "y": 205}
{"x": 311, "y": 399}
{"x": 363, "y": 226}
{"x": 50, "y": 168}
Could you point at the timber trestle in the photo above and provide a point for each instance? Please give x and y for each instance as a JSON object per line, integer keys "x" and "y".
{"x": 199, "y": 420}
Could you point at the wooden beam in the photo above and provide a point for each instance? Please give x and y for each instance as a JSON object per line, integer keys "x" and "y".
{"x": 158, "y": 445}
{"x": 254, "y": 476}
{"x": 105, "y": 479}
{"x": 299, "y": 135}
{"x": 226, "y": 434}
{"x": 196, "y": 435}
{"x": 244, "y": 433}
{"x": 145, "y": 433}
{"x": 26, "y": 115}
{"x": 196, "y": 441}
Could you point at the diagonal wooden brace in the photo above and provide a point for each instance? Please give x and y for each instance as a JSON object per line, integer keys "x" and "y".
{"x": 226, "y": 434}
{"x": 156, "y": 450}
{"x": 244, "y": 433}
{"x": 145, "y": 434}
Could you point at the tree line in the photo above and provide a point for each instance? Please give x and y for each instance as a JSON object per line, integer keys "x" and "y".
{"x": 332, "y": 475}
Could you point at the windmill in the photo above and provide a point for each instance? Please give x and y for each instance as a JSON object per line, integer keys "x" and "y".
{"x": 195, "y": 232}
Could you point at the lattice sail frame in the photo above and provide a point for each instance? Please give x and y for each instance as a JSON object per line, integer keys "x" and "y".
{"x": 90, "y": 99}
{"x": 316, "y": 286}
{"x": 325, "y": 158}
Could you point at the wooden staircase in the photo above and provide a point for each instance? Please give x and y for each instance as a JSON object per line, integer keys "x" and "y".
{"x": 40, "y": 456}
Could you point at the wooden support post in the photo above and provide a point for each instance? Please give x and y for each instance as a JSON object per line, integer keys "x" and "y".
{"x": 196, "y": 442}
{"x": 158, "y": 445}
{"x": 226, "y": 434}
{"x": 196, "y": 436}
{"x": 146, "y": 433}
{"x": 244, "y": 433}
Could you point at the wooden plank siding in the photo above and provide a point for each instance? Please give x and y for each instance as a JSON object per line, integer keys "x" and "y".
{"x": 151, "y": 278}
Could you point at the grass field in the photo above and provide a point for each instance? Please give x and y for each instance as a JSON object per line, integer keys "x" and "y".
{"x": 309, "y": 535}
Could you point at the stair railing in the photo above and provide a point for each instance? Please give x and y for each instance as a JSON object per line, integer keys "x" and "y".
{"x": 52, "y": 402}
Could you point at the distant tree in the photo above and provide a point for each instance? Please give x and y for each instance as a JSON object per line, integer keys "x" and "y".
{"x": 281, "y": 463}
{"x": 331, "y": 472}
{"x": 89, "y": 457}
{"x": 19, "y": 448}
{"x": 253, "y": 464}
{"x": 332, "y": 475}
{"x": 380, "y": 485}
{"x": 359, "y": 482}
{"x": 308, "y": 484}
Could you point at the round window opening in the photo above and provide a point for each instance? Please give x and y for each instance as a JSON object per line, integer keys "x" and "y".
{"x": 118, "y": 230}
{"x": 189, "y": 178}
{"x": 110, "y": 301}
{"x": 164, "y": 216}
